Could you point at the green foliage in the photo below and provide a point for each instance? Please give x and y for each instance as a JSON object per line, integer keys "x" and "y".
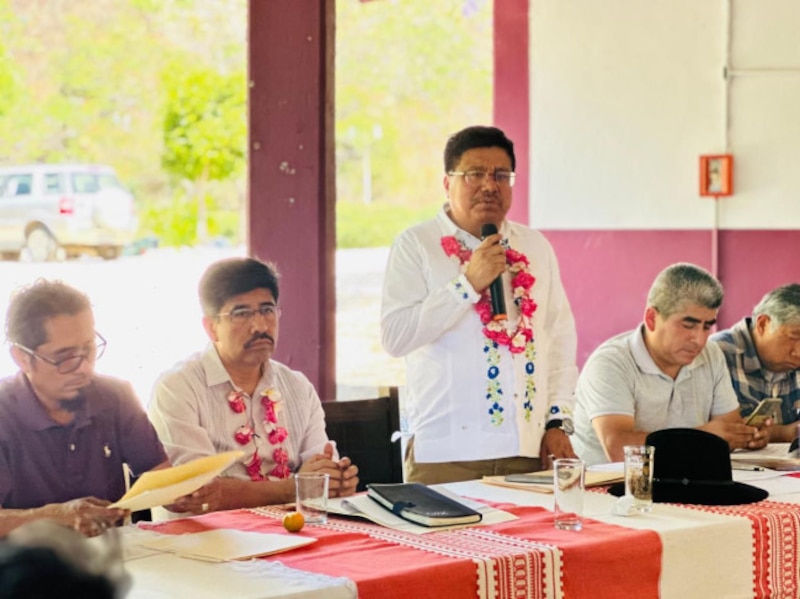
{"x": 157, "y": 89}
{"x": 8, "y": 86}
{"x": 375, "y": 225}
{"x": 173, "y": 222}
{"x": 408, "y": 74}
{"x": 205, "y": 128}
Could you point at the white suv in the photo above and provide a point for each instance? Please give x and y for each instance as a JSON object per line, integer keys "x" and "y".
{"x": 56, "y": 211}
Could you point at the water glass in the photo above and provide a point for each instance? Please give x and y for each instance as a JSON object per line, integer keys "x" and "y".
{"x": 312, "y": 496}
{"x": 568, "y": 484}
{"x": 639, "y": 476}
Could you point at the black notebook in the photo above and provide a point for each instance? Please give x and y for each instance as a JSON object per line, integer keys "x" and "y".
{"x": 422, "y": 505}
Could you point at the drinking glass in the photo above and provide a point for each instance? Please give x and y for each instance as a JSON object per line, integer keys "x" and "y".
{"x": 568, "y": 484}
{"x": 312, "y": 496}
{"x": 639, "y": 476}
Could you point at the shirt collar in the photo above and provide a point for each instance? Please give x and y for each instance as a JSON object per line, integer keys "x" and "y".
{"x": 645, "y": 362}
{"x": 33, "y": 414}
{"x": 743, "y": 345}
{"x": 215, "y": 371}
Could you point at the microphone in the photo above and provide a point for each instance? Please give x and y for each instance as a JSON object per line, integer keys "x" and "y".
{"x": 496, "y": 288}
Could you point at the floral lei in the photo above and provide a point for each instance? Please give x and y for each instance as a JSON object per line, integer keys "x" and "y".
{"x": 496, "y": 333}
{"x": 276, "y": 435}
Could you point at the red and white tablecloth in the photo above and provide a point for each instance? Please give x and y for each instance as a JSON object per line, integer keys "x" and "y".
{"x": 775, "y": 529}
{"x": 524, "y": 558}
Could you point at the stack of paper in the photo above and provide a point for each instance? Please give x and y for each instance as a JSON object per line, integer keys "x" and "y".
{"x": 775, "y": 456}
{"x": 225, "y": 544}
{"x": 542, "y": 482}
{"x": 162, "y": 487}
{"x": 363, "y": 507}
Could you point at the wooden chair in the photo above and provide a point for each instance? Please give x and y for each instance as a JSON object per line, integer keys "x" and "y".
{"x": 362, "y": 429}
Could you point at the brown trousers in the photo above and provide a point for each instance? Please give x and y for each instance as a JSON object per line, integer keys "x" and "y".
{"x": 451, "y": 472}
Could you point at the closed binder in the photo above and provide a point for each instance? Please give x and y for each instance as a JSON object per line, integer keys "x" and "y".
{"x": 422, "y": 505}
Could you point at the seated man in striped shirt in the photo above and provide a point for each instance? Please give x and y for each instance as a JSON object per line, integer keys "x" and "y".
{"x": 763, "y": 355}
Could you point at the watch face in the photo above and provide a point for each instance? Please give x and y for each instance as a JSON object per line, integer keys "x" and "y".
{"x": 567, "y": 426}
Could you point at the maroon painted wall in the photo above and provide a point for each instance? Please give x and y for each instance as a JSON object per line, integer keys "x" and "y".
{"x": 607, "y": 274}
{"x": 292, "y": 174}
{"x": 511, "y": 97}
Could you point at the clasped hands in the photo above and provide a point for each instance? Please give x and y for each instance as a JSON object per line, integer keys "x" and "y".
{"x": 343, "y": 473}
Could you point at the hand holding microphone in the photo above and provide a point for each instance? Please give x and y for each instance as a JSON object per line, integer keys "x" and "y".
{"x": 496, "y": 288}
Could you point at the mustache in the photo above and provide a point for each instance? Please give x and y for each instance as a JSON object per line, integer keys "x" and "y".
{"x": 259, "y": 337}
{"x": 490, "y": 196}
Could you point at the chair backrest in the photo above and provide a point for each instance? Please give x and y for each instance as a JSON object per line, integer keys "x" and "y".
{"x": 362, "y": 429}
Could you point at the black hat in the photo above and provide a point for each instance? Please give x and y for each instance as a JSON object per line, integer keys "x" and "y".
{"x": 693, "y": 466}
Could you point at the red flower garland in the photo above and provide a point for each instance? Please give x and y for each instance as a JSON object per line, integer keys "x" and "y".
{"x": 276, "y": 435}
{"x": 521, "y": 282}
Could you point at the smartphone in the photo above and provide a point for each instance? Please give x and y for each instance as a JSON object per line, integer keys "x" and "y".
{"x": 536, "y": 478}
{"x": 768, "y": 408}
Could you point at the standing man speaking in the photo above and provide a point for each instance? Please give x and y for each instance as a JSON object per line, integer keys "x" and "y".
{"x": 487, "y": 395}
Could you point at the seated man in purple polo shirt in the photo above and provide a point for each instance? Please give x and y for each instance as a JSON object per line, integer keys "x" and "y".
{"x": 65, "y": 432}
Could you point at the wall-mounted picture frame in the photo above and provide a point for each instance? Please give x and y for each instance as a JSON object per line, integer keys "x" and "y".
{"x": 716, "y": 175}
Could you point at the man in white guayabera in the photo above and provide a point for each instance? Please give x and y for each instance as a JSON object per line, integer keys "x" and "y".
{"x": 486, "y": 395}
{"x": 234, "y": 396}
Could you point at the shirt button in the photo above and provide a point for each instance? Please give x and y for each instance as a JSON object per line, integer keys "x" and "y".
{"x": 72, "y": 446}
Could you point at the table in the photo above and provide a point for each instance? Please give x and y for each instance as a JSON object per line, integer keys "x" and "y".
{"x": 676, "y": 551}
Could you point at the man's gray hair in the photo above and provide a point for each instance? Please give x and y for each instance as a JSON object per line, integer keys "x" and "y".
{"x": 681, "y": 283}
{"x": 782, "y": 305}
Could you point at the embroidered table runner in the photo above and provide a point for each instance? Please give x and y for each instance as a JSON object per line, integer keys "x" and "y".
{"x": 527, "y": 557}
{"x": 775, "y": 527}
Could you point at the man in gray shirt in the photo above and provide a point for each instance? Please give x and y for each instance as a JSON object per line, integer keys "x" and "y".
{"x": 661, "y": 375}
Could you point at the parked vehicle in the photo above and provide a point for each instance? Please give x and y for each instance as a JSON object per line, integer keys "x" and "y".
{"x": 57, "y": 211}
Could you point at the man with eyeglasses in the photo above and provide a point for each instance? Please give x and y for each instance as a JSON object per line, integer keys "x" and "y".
{"x": 65, "y": 431}
{"x": 488, "y": 394}
{"x": 234, "y": 396}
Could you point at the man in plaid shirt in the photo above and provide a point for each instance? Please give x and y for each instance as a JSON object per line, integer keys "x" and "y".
{"x": 763, "y": 356}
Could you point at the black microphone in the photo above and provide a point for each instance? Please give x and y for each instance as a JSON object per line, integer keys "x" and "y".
{"x": 496, "y": 288}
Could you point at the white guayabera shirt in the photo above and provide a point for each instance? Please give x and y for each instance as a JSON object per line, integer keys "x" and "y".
{"x": 189, "y": 409}
{"x": 428, "y": 315}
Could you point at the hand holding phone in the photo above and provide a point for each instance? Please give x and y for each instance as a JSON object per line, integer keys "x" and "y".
{"x": 767, "y": 408}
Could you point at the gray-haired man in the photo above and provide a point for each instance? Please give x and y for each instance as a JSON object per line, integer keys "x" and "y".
{"x": 763, "y": 356}
{"x": 661, "y": 375}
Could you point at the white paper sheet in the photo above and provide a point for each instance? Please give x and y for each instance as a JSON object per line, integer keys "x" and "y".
{"x": 224, "y": 545}
{"x": 162, "y": 487}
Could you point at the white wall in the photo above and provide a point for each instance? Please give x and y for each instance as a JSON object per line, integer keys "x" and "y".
{"x": 627, "y": 94}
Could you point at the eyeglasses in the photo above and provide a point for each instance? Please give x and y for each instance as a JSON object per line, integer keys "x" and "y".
{"x": 476, "y": 178}
{"x": 270, "y": 312}
{"x": 71, "y": 363}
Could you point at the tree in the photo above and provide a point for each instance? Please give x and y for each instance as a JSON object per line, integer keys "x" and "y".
{"x": 205, "y": 131}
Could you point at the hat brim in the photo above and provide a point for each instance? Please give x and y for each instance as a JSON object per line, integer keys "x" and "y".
{"x": 725, "y": 493}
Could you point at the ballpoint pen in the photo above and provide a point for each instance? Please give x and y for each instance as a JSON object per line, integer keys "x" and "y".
{"x": 747, "y": 467}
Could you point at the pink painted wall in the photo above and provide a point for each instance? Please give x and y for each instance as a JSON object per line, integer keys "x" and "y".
{"x": 607, "y": 273}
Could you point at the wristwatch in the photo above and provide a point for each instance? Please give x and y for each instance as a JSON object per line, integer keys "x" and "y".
{"x": 564, "y": 424}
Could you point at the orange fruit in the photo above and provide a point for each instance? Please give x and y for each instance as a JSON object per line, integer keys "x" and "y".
{"x": 293, "y": 521}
